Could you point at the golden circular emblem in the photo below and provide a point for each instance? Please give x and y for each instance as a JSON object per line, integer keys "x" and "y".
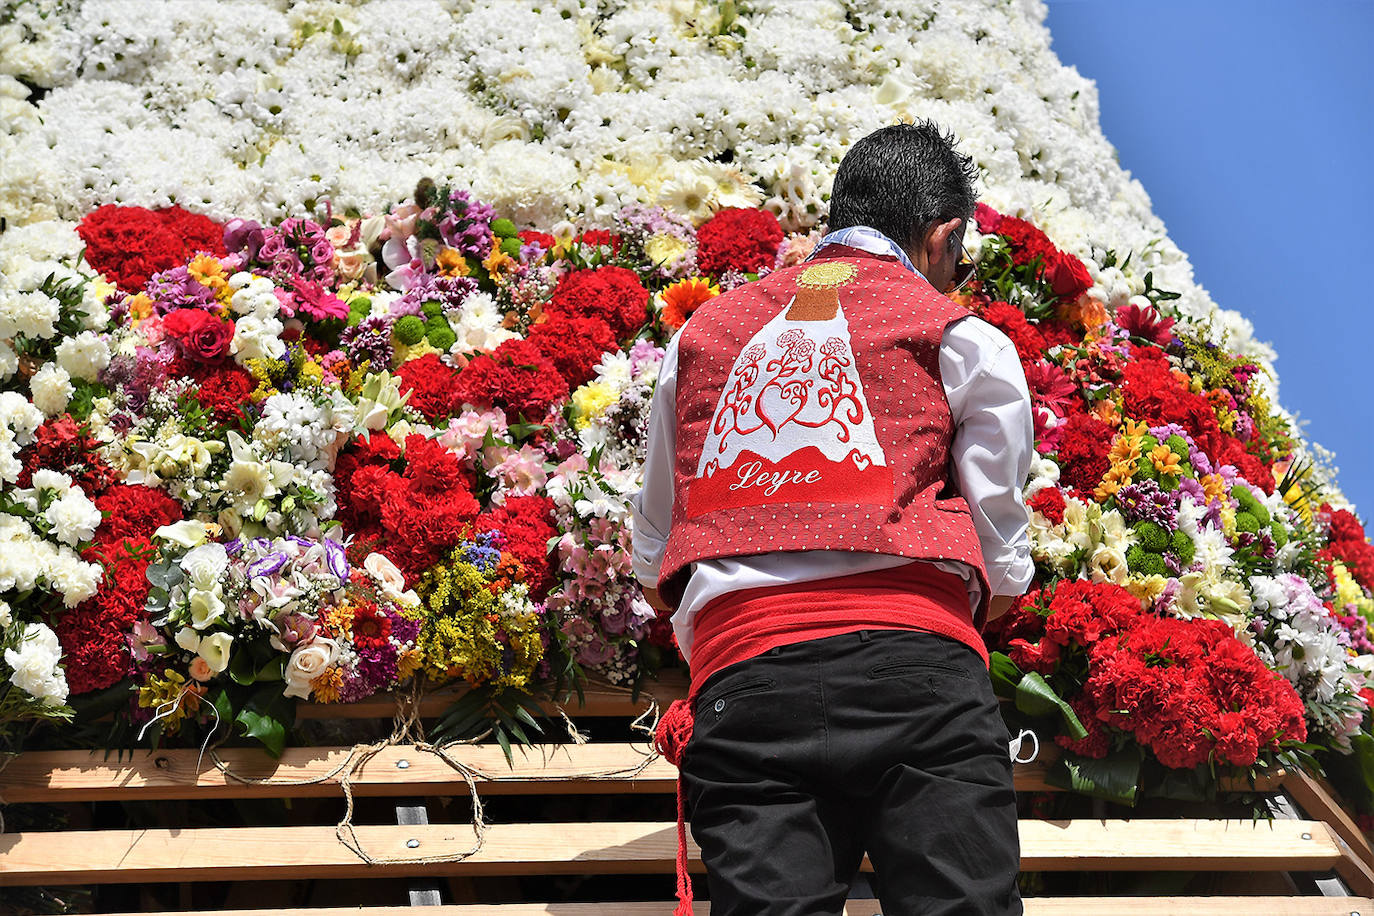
{"x": 827, "y": 275}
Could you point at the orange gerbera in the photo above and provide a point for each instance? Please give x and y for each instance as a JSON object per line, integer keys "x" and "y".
{"x": 681, "y": 299}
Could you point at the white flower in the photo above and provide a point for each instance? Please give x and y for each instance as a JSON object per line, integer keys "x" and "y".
{"x": 6, "y": 618}
{"x": 213, "y": 647}
{"x": 9, "y": 361}
{"x": 35, "y": 665}
{"x": 257, "y": 338}
{"x": 84, "y": 355}
{"x": 389, "y": 579}
{"x": 74, "y": 517}
{"x": 48, "y": 479}
{"x": 206, "y": 607}
{"x": 307, "y": 663}
{"x": 204, "y": 565}
{"x": 186, "y": 533}
{"x": 31, "y": 314}
{"x": 51, "y": 388}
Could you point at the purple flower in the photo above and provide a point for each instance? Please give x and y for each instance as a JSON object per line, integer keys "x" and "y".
{"x": 370, "y": 339}
{"x": 337, "y": 558}
{"x": 268, "y": 565}
{"x": 1146, "y": 501}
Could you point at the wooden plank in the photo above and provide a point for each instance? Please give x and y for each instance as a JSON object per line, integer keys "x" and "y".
{"x": 1316, "y": 799}
{"x": 185, "y": 773}
{"x": 599, "y": 700}
{"x": 1035, "y": 906}
{"x": 268, "y": 853}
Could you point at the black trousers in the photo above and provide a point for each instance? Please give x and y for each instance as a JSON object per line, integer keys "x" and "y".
{"x": 883, "y": 741}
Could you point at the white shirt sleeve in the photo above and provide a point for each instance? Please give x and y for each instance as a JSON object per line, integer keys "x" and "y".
{"x": 653, "y": 505}
{"x": 994, "y": 442}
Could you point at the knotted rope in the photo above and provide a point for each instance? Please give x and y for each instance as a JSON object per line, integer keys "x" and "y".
{"x": 670, "y": 739}
{"x": 408, "y": 732}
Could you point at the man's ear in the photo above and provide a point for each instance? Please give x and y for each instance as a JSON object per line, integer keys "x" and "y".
{"x": 938, "y": 244}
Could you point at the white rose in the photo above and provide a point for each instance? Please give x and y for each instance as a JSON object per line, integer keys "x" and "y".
{"x": 390, "y": 579}
{"x": 206, "y": 608}
{"x": 51, "y": 388}
{"x": 184, "y": 534}
{"x": 307, "y": 663}
{"x": 204, "y": 565}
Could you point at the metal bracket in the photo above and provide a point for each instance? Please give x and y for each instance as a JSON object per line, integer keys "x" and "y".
{"x": 423, "y": 891}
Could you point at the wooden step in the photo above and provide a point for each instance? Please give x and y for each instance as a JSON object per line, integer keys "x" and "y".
{"x": 600, "y": 768}
{"x": 1073, "y": 906}
{"x": 268, "y": 853}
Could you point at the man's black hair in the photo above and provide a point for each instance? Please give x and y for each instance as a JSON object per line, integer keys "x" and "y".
{"x": 902, "y": 180}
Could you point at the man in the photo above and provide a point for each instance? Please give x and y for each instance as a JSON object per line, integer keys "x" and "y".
{"x": 832, "y": 504}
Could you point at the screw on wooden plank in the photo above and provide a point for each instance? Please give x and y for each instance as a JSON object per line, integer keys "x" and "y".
{"x": 412, "y": 812}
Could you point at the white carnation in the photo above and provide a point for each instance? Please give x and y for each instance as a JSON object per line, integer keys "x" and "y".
{"x": 35, "y": 665}
{"x": 74, "y": 517}
{"x": 84, "y": 355}
{"x": 9, "y": 361}
{"x": 29, "y": 314}
{"x": 51, "y": 388}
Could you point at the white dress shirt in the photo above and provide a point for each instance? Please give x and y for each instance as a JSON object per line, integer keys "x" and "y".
{"x": 990, "y": 458}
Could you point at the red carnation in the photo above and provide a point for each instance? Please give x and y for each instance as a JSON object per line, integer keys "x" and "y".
{"x": 200, "y": 334}
{"x": 1350, "y": 546}
{"x": 1152, "y": 393}
{"x": 1083, "y": 452}
{"x": 1049, "y": 502}
{"x": 613, "y": 294}
{"x": 225, "y": 393}
{"x": 94, "y": 634}
{"x": 574, "y": 344}
{"x": 133, "y": 511}
{"x": 432, "y": 386}
{"x": 62, "y": 444}
{"x": 130, "y": 244}
{"x": 1027, "y": 241}
{"x": 515, "y": 377}
{"x": 433, "y": 469}
{"x": 534, "y": 237}
{"x": 600, "y": 238}
{"x": 1234, "y": 453}
{"x": 527, "y": 525}
{"x": 1030, "y": 346}
{"x": 738, "y": 238}
{"x": 988, "y": 219}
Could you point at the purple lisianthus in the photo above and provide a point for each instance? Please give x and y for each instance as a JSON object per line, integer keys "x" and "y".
{"x": 337, "y": 558}
{"x": 268, "y": 565}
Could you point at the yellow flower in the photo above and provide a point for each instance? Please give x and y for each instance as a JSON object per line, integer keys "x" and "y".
{"x": 1125, "y": 450}
{"x": 408, "y": 662}
{"x": 590, "y": 401}
{"x": 140, "y": 307}
{"x": 451, "y": 263}
{"x": 325, "y": 688}
{"x": 170, "y": 697}
{"x": 1164, "y": 460}
{"x": 1147, "y": 588}
{"x": 338, "y": 620}
{"x": 1116, "y": 477}
{"x": 665, "y": 249}
{"x": 498, "y": 263}
{"x": 1213, "y": 487}
{"x": 1137, "y": 428}
{"x": 311, "y": 372}
{"x": 208, "y": 271}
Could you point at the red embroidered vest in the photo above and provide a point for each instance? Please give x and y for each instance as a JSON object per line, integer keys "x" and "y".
{"x": 810, "y": 416}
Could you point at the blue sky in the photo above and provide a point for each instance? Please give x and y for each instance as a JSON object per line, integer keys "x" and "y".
{"x": 1249, "y": 124}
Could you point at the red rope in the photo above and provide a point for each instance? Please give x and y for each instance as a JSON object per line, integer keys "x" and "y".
{"x": 674, "y": 730}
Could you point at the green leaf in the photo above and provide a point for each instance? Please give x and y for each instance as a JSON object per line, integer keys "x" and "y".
{"x": 242, "y": 668}
{"x": 266, "y": 716}
{"x": 504, "y": 740}
{"x": 1005, "y": 675}
{"x": 1115, "y": 777}
{"x": 1034, "y": 697}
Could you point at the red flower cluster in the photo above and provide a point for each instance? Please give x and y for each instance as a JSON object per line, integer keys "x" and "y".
{"x": 613, "y": 294}
{"x": 1083, "y": 452}
{"x": 1030, "y": 346}
{"x": 200, "y": 334}
{"x": 527, "y": 524}
{"x": 738, "y": 238}
{"x": 62, "y": 444}
{"x": 600, "y": 238}
{"x": 1350, "y": 546}
{"x": 225, "y": 393}
{"x": 133, "y": 512}
{"x": 516, "y": 377}
{"x": 93, "y": 634}
{"x": 1066, "y": 274}
{"x": 130, "y": 244}
{"x": 574, "y": 344}
{"x": 1049, "y": 502}
{"x": 1186, "y": 689}
{"x": 1234, "y": 452}
{"x": 432, "y": 386}
{"x": 1145, "y": 323}
{"x": 1152, "y": 393}
{"x": 413, "y": 516}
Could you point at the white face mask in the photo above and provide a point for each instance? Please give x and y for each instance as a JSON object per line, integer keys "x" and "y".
{"x": 1022, "y": 740}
